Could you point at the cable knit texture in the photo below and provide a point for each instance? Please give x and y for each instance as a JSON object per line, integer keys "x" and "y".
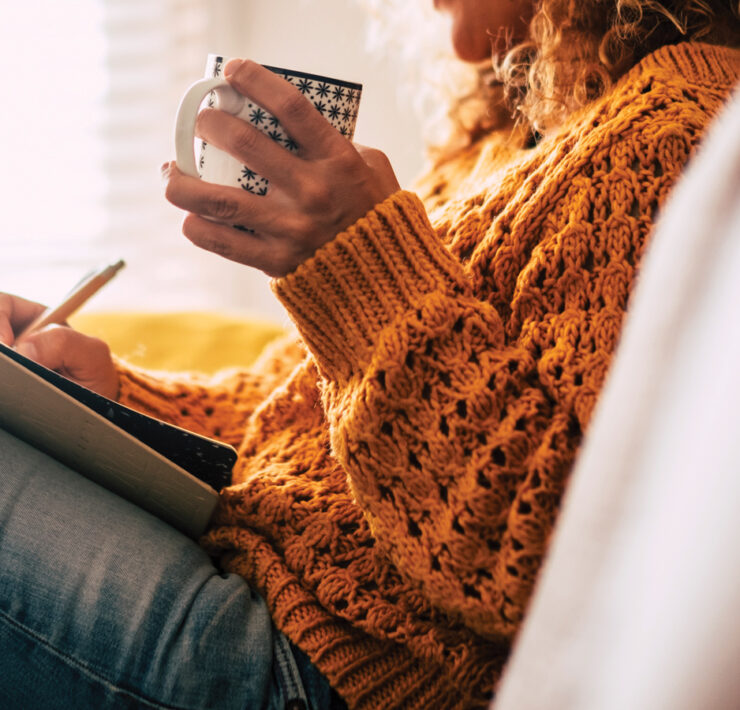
{"x": 401, "y": 463}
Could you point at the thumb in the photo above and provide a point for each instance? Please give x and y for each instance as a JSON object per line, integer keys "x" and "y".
{"x": 378, "y": 161}
{"x": 51, "y": 347}
{"x": 81, "y": 358}
{"x": 373, "y": 157}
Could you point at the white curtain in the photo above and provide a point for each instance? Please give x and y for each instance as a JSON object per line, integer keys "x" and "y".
{"x": 91, "y": 91}
{"x": 153, "y": 51}
{"x": 52, "y": 73}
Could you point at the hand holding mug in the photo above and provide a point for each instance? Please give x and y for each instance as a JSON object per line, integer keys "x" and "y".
{"x": 318, "y": 188}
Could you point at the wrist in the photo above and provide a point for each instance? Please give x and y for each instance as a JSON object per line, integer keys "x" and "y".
{"x": 358, "y": 284}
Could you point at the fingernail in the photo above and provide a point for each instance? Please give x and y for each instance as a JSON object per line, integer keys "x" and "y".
{"x": 28, "y": 350}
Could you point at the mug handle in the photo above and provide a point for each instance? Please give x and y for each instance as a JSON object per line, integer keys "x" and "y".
{"x": 227, "y": 99}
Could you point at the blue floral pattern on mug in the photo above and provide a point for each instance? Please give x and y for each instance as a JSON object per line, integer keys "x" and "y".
{"x": 337, "y": 101}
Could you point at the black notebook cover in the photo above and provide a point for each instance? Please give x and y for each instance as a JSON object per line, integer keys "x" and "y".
{"x": 168, "y": 471}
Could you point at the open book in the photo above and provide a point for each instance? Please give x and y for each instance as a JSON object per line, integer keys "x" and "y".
{"x": 173, "y": 473}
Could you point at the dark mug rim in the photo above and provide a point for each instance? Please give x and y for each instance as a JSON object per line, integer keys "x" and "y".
{"x": 305, "y": 75}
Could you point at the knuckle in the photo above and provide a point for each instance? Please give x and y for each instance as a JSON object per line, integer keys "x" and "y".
{"x": 247, "y": 72}
{"x": 317, "y": 196}
{"x": 219, "y": 247}
{"x": 201, "y": 238}
{"x": 298, "y": 226}
{"x": 99, "y": 348}
{"x": 244, "y": 141}
{"x": 294, "y": 107}
{"x": 222, "y": 208}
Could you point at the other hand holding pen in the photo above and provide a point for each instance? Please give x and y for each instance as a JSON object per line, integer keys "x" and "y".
{"x": 79, "y": 357}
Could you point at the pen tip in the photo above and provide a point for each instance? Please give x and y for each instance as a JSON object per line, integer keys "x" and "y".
{"x": 119, "y": 265}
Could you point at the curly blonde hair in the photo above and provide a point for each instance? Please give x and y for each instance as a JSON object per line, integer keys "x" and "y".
{"x": 576, "y": 49}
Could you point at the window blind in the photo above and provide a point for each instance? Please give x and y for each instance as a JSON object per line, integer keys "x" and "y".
{"x": 92, "y": 89}
{"x": 51, "y": 188}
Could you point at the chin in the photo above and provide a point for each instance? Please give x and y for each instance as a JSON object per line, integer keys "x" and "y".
{"x": 471, "y": 52}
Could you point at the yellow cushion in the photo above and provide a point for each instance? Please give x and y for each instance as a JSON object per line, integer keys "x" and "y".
{"x": 179, "y": 341}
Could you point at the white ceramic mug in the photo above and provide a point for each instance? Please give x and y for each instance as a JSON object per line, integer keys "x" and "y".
{"x": 336, "y": 100}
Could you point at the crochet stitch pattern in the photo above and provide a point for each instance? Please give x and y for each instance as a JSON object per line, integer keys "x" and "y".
{"x": 401, "y": 465}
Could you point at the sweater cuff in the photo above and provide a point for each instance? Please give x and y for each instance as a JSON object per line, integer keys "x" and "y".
{"x": 363, "y": 280}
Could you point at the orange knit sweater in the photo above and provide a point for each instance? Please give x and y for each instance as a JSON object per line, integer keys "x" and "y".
{"x": 401, "y": 464}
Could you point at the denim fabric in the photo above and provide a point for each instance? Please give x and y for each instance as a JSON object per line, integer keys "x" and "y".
{"x": 318, "y": 690}
{"x": 104, "y": 606}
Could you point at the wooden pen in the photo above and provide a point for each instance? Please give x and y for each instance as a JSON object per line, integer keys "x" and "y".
{"x": 81, "y": 293}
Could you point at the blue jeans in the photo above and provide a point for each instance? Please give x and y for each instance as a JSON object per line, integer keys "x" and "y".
{"x": 104, "y": 606}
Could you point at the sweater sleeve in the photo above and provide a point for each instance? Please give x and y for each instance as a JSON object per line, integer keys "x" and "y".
{"x": 216, "y": 406}
{"x": 457, "y": 395}
{"x": 433, "y": 416}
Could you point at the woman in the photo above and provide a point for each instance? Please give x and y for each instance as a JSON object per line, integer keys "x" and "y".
{"x": 402, "y": 462}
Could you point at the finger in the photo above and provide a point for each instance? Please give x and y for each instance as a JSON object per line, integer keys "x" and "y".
{"x": 272, "y": 256}
{"x": 7, "y": 336}
{"x": 55, "y": 347}
{"x": 50, "y": 346}
{"x": 378, "y": 161}
{"x": 297, "y": 115}
{"x": 82, "y": 358}
{"x": 265, "y": 154}
{"x": 15, "y": 314}
{"x": 222, "y": 203}
{"x": 375, "y": 158}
